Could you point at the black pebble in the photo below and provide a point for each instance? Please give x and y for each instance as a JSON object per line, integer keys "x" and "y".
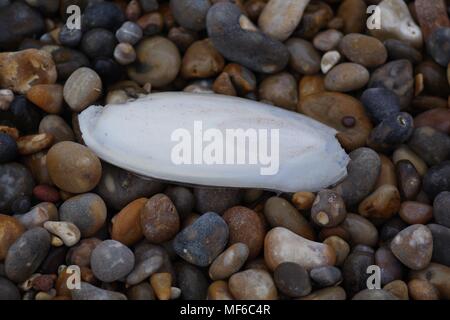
{"x": 392, "y": 131}
{"x": 70, "y": 37}
{"x": 26, "y": 115}
{"x": 438, "y": 46}
{"x": 380, "y": 103}
{"x": 109, "y": 70}
{"x": 103, "y": 15}
{"x": 437, "y": 179}
{"x": 98, "y": 43}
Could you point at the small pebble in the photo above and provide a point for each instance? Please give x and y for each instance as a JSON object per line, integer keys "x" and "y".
{"x": 252, "y": 284}
{"x": 364, "y": 50}
{"x": 57, "y": 127}
{"x": 354, "y": 269}
{"x": 304, "y": 58}
{"x": 329, "y": 60}
{"x": 229, "y": 262}
{"x": 280, "y": 90}
{"x": 126, "y": 225}
{"x": 327, "y": 40}
{"x": 413, "y": 246}
{"x": 124, "y": 53}
{"x": 201, "y": 60}
{"x": 30, "y": 144}
{"x": 73, "y": 167}
{"x": 86, "y": 211}
{"x": 90, "y": 292}
{"x": 15, "y": 182}
{"x": 201, "y": 242}
{"x": 422, "y": 290}
{"x": 82, "y": 88}
{"x": 341, "y": 248}
{"x": 417, "y": 213}
{"x": 328, "y": 209}
{"x": 361, "y": 230}
{"x": 326, "y": 276}
{"x": 66, "y": 231}
{"x": 292, "y": 280}
{"x": 111, "y": 261}
{"x": 80, "y": 254}
{"x": 382, "y": 204}
{"x": 129, "y": 32}
{"x": 161, "y": 284}
{"x": 10, "y": 230}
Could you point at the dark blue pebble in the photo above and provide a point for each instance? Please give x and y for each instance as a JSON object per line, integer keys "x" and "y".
{"x": 380, "y": 103}
{"x": 392, "y": 131}
{"x": 98, "y": 43}
{"x": 103, "y": 15}
{"x": 8, "y": 148}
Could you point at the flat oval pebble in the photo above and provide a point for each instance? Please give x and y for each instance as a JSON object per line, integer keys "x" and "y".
{"x": 245, "y": 226}
{"x": 279, "y": 247}
{"x": 413, "y": 246}
{"x": 229, "y": 262}
{"x": 89, "y": 292}
{"x": 292, "y": 280}
{"x": 73, "y": 167}
{"x": 201, "y": 242}
{"x": 364, "y": 50}
{"x": 361, "y": 230}
{"x": 417, "y": 213}
{"x": 111, "y": 261}
{"x": 126, "y": 225}
{"x": 280, "y": 213}
{"x": 346, "y": 77}
{"x": 86, "y": 211}
{"x": 26, "y": 254}
{"x": 252, "y": 284}
{"x": 82, "y": 88}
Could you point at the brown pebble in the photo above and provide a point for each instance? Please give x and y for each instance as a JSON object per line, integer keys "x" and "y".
{"x": 280, "y": 89}
{"x": 422, "y": 290}
{"x": 438, "y": 119}
{"x": 229, "y": 262}
{"x": 415, "y": 212}
{"x": 10, "y": 230}
{"x": 353, "y": 15}
{"x": 341, "y": 248}
{"x": 13, "y": 132}
{"x": 223, "y": 85}
{"x": 44, "y": 282}
{"x": 361, "y": 230}
{"x": 159, "y": 219}
{"x": 303, "y": 200}
{"x": 161, "y": 284}
{"x": 398, "y": 288}
{"x": 126, "y": 225}
{"x": 438, "y": 275}
{"x": 202, "y": 60}
{"x": 245, "y": 226}
{"x": 218, "y": 290}
{"x": 346, "y": 77}
{"x": 328, "y": 209}
{"x": 21, "y": 70}
{"x": 46, "y": 193}
{"x": 387, "y": 173}
{"x": 409, "y": 180}
{"x": 82, "y": 88}
{"x": 34, "y": 143}
{"x": 252, "y": 284}
{"x": 73, "y": 167}
{"x": 431, "y": 15}
{"x": 382, "y": 204}
{"x": 365, "y": 50}
{"x": 48, "y": 97}
{"x": 242, "y": 78}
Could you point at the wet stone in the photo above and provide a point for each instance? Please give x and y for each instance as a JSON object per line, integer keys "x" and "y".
{"x": 111, "y": 261}
{"x": 10, "y": 230}
{"x": 26, "y": 254}
{"x": 201, "y": 242}
{"x": 413, "y": 246}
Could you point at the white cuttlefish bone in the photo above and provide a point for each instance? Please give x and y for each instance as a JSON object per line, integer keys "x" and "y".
{"x": 151, "y": 137}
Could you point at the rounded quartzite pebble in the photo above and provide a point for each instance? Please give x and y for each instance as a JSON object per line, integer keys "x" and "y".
{"x": 361, "y": 230}
{"x": 90, "y": 292}
{"x": 292, "y": 280}
{"x": 66, "y": 231}
{"x": 126, "y": 225}
{"x": 282, "y": 245}
{"x": 129, "y": 32}
{"x": 252, "y": 284}
{"x": 111, "y": 261}
{"x": 346, "y": 77}
{"x": 364, "y": 50}
{"x": 10, "y": 230}
{"x": 86, "y": 211}
{"x": 158, "y": 62}
{"x": 327, "y": 40}
{"x": 328, "y": 209}
{"x": 124, "y": 53}
{"x": 280, "y": 213}
{"x": 159, "y": 219}
{"x": 413, "y": 246}
{"x": 82, "y": 88}
{"x": 201, "y": 242}
{"x": 202, "y": 60}
{"x": 229, "y": 262}
{"x": 365, "y": 163}
{"x": 26, "y": 254}
{"x": 382, "y": 204}
{"x": 245, "y": 226}
{"x": 341, "y": 248}
{"x": 20, "y": 70}
{"x": 280, "y": 89}
{"x": 422, "y": 290}
{"x": 304, "y": 58}
{"x": 238, "y": 40}
{"x": 73, "y": 167}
